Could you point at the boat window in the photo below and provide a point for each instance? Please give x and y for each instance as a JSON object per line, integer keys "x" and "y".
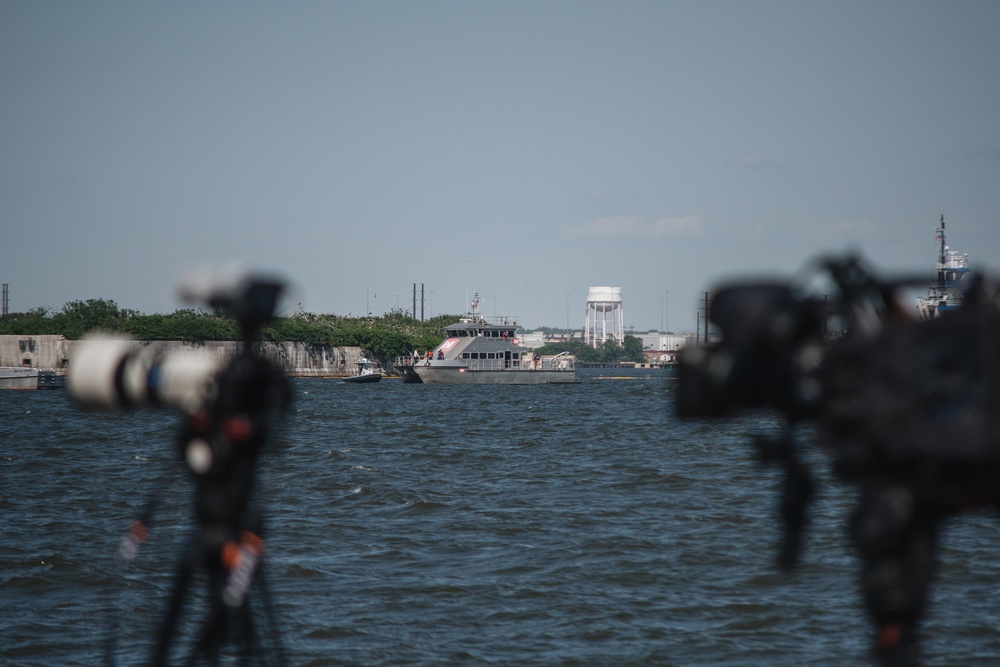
{"x": 491, "y": 355}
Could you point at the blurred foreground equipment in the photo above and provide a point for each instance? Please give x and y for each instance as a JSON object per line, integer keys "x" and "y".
{"x": 908, "y": 411}
{"x": 229, "y": 410}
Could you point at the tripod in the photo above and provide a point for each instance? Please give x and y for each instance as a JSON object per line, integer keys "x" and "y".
{"x": 221, "y": 447}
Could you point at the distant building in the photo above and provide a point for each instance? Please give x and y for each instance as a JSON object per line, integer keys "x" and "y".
{"x": 661, "y": 348}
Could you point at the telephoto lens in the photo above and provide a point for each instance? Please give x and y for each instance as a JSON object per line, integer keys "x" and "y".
{"x": 114, "y": 373}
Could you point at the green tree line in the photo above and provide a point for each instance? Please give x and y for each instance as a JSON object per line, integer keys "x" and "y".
{"x": 385, "y": 337}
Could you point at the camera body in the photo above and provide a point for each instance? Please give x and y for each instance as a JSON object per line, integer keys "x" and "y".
{"x": 881, "y": 386}
{"x": 918, "y": 394}
{"x": 770, "y": 354}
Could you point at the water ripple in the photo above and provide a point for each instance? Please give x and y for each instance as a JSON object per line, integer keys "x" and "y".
{"x": 428, "y": 525}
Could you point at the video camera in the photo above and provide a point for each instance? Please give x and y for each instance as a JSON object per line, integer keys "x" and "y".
{"x": 228, "y": 408}
{"x": 908, "y": 410}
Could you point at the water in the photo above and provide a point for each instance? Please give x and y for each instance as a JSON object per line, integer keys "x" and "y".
{"x": 432, "y": 524}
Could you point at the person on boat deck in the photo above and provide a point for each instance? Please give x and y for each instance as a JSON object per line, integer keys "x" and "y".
{"x": 441, "y": 355}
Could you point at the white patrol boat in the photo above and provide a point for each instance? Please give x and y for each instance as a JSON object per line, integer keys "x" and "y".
{"x": 478, "y": 352}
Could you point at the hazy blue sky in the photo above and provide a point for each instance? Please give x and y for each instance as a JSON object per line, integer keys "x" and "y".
{"x": 524, "y": 150}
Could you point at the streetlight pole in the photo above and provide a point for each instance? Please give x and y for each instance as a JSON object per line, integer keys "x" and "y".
{"x": 567, "y": 315}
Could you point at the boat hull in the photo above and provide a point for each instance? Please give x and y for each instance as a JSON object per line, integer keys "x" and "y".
{"x": 363, "y": 379}
{"x": 18, "y": 378}
{"x": 459, "y": 375}
{"x": 407, "y": 374}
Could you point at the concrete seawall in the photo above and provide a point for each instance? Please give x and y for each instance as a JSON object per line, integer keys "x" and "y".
{"x": 296, "y": 359}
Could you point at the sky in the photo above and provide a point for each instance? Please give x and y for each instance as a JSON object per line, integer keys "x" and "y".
{"x": 523, "y": 150}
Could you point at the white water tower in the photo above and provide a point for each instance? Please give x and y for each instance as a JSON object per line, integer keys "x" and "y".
{"x": 605, "y": 318}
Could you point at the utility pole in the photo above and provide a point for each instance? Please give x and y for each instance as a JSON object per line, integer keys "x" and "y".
{"x": 706, "y": 318}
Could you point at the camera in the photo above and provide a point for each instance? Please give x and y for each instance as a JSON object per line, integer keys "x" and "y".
{"x": 109, "y": 373}
{"x": 907, "y": 409}
{"x": 230, "y": 408}
{"x": 873, "y": 378}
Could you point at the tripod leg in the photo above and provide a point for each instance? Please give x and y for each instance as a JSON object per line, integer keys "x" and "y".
{"x": 169, "y": 627}
{"x": 215, "y": 630}
{"x": 272, "y": 632}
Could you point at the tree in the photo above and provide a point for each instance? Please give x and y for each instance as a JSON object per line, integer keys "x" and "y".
{"x": 632, "y": 350}
{"x": 37, "y": 321}
{"x": 386, "y": 337}
{"x": 79, "y": 317}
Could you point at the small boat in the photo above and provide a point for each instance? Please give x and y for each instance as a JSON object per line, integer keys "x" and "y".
{"x": 18, "y": 377}
{"x": 479, "y": 352}
{"x": 368, "y": 371}
{"x": 953, "y": 274}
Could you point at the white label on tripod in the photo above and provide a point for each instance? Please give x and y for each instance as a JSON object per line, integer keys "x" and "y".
{"x": 240, "y": 578}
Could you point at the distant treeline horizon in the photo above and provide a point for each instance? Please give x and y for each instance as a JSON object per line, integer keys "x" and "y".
{"x": 384, "y": 337}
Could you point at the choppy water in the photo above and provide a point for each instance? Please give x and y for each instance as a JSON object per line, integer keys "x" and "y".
{"x": 432, "y": 525}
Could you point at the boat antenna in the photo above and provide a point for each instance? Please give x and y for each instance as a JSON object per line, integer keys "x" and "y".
{"x": 475, "y": 304}
{"x": 943, "y": 255}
